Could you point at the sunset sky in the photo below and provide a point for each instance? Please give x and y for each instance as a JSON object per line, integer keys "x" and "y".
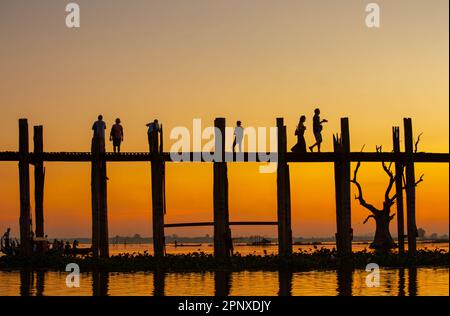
{"x": 248, "y": 60}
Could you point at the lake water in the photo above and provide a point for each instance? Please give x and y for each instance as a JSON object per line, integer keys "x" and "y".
{"x": 393, "y": 282}
{"x": 245, "y": 249}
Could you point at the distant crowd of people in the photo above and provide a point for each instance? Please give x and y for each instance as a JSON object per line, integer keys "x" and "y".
{"x": 11, "y": 245}
{"x": 153, "y": 130}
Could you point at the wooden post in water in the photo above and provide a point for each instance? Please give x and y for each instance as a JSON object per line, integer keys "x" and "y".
{"x": 399, "y": 191}
{"x": 100, "y": 240}
{"x": 39, "y": 174}
{"x": 410, "y": 188}
{"x": 95, "y": 198}
{"x": 103, "y": 211}
{"x": 157, "y": 174}
{"x": 222, "y": 233}
{"x": 24, "y": 185}
{"x": 344, "y": 233}
{"x": 283, "y": 194}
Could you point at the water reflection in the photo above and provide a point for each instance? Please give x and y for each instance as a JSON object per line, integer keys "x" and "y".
{"x": 412, "y": 281}
{"x": 159, "y": 278}
{"x": 26, "y": 282}
{"x": 401, "y": 282}
{"x": 40, "y": 283}
{"x": 100, "y": 283}
{"x": 285, "y": 283}
{"x": 222, "y": 283}
{"x": 344, "y": 281}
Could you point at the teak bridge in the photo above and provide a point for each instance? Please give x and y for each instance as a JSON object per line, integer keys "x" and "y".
{"x": 341, "y": 157}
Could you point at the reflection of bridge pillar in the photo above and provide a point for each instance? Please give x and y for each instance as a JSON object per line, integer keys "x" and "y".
{"x": 100, "y": 283}
{"x": 345, "y": 279}
{"x": 222, "y": 282}
{"x": 26, "y": 282}
{"x": 412, "y": 281}
{"x": 159, "y": 278}
{"x": 285, "y": 282}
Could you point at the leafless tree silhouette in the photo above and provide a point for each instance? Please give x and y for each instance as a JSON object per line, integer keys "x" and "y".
{"x": 383, "y": 240}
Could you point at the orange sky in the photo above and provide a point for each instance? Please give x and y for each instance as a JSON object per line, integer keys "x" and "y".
{"x": 249, "y": 60}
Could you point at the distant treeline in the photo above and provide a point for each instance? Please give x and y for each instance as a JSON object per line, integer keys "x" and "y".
{"x": 137, "y": 239}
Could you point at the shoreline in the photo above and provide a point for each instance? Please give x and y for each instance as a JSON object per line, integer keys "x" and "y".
{"x": 321, "y": 259}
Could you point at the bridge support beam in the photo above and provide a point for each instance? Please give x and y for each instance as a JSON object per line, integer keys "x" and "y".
{"x": 283, "y": 194}
{"x": 399, "y": 192}
{"x": 222, "y": 233}
{"x": 24, "y": 187}
{"x": 158, "y": 198}
{"x": 344, "y": 233}
{"x": 100, "y": 240}
{"x": 410, "y": 188}
{"x": 39, "y": 175}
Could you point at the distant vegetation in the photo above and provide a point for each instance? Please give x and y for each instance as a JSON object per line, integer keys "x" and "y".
{"x": 198, "y": 261}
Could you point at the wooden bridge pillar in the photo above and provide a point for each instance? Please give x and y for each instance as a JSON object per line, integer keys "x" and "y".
{"x": 344, "y": 233}
{"x": 158, "y": 199}
{"x": 24, "y": 185}
{"x": 222, "y": 232}
{"x": 39, "y": 175}
{"x": 283, "y": 194}
{"x": 399, "y": 191}
{"x": 410, "y": 188}
{"x": 100, "y": 240}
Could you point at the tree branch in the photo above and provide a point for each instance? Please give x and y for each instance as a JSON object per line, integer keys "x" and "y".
{"x": 405, "y": 186}
{"x": 359, "y": 197}
{"x": 370, "y": 216}
{"x": 417, "y": 142}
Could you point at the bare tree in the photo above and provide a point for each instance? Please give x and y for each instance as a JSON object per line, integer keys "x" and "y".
{"x": 383, "y": 240}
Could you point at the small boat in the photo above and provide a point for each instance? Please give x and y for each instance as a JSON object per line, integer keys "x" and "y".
{"x": 187, "y": 245}
{"x": 260, "y": 242}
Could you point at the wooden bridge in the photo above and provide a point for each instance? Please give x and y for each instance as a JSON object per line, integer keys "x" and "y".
{"x": 341, "y": 157}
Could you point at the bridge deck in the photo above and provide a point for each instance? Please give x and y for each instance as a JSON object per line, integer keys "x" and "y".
{"x": 247, "y": 157}
{"x": 254, "y": 223}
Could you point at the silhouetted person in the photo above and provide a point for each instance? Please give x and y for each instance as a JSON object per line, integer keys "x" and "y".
{"x": 67, "y": 248}
{"x": 75, "y": 245}
{"x": 152, "y": 133}
{"x": 116, "y": 135}
{"x": 300, "y": 147}
{"x": 238, "y": 136}
{"x": 99, "y": 134}
{"x": 317, "y": 129}
{"x": 7, "y": 238}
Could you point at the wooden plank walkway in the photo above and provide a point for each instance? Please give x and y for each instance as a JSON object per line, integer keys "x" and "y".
{"x": 290, "y": 157}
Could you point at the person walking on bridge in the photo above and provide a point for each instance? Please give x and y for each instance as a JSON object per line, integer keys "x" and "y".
{"x": 317, "y": 129}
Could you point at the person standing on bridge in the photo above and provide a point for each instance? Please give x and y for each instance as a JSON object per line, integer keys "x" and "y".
{"x": 152, "y": 134}
{"x": 238, "y": 136}
{"x": 98, "y": 139}
{"x": 317, "y": 129}
{"x": 116, "y": 135}
{"x": 300, "y": 147}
